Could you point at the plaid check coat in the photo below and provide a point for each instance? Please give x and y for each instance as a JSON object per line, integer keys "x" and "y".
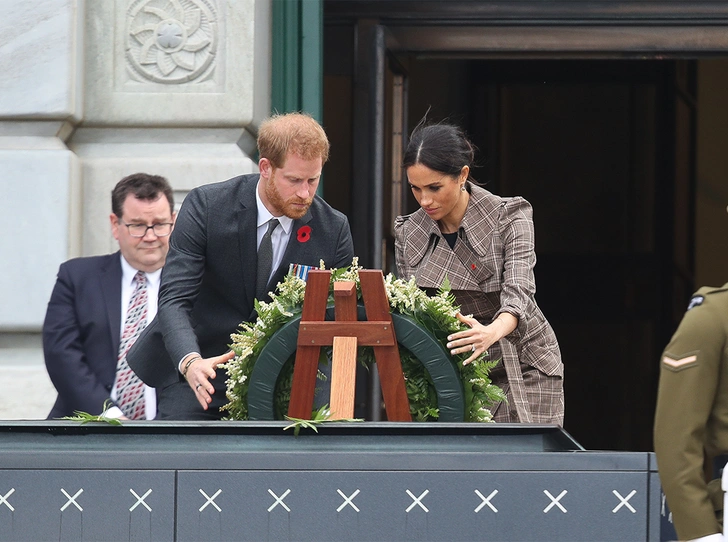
{"x": 490, "y": 270}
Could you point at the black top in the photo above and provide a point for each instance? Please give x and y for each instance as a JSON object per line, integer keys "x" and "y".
{"x": 451, "y": 238}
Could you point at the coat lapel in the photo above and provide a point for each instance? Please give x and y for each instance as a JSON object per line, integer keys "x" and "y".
{"x": 472, "y": 262}
{"x": 110, "y": 285}
{"x": 481, "y": 219}
{"x": 421, "y": 235}
{"x": 429, "y": 253}
{"x": 247, "y": 217}
{"x": 463, "y": 266}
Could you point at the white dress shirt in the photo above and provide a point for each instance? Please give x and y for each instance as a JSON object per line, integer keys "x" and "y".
{"x": 127, "y": 289}
{"x": 280, "y": 235}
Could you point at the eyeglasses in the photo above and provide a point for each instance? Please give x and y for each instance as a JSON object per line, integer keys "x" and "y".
{"x": 140, "y": 230}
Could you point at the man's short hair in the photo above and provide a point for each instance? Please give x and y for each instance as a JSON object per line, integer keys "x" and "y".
{"x": 295, "y": 133}
{"x": 142, "y": 186}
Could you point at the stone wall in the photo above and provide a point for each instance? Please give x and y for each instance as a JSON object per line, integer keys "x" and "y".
{"x": 94, "y": 90}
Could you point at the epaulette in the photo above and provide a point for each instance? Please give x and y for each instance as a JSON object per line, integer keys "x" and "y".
{"x": 699, "y": 296}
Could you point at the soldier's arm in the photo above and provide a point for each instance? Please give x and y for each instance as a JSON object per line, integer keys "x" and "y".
{"x": 689, "y": 370}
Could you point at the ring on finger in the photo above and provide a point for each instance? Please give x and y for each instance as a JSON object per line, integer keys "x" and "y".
{"x": 198, "y": 387}
{"x": 473, "y": 347}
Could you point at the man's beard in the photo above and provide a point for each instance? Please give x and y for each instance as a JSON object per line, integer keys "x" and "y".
{"x": 287, "y": 207}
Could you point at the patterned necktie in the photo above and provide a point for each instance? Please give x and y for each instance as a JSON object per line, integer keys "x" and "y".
{"x": 130, "y": 390}
{"x": 265, "y": 260}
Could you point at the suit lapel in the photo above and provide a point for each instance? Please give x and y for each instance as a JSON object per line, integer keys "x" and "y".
{"x": 247, "y": 218}
{"x": 109, "y": 278}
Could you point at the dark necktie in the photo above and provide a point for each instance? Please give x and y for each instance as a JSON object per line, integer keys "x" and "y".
{"x": 265, "y": 261}
{"x": 130, "y": 390}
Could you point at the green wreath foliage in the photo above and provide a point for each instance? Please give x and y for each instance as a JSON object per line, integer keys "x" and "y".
{"x": 436, "y": 314}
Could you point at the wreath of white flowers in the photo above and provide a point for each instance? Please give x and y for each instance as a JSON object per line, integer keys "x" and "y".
{"x": 436, "y": 314}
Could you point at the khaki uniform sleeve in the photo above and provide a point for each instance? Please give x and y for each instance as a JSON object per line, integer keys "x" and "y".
{"x": 689, "y": 370}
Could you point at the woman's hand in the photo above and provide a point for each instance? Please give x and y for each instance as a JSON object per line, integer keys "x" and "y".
{"x": 199, "y": 374}
{"x": 479, "y": 338}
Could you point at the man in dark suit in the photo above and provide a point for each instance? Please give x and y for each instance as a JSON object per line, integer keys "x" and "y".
{"x": 216, "y": 259}
{"x": 83, "y": 328}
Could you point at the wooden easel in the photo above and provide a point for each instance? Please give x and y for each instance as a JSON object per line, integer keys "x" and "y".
{"x": 345, "y": 333}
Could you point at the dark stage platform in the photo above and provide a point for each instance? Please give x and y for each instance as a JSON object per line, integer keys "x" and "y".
{"x": 351, "y": 481}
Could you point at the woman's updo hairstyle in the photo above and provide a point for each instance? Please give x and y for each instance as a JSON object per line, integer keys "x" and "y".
{"x": 440, "y": 147}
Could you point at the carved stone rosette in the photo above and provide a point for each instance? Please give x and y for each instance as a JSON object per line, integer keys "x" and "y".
{"x": 171, "y": 41}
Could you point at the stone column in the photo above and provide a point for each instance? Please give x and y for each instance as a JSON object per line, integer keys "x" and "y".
{"x": 40, "y": 104}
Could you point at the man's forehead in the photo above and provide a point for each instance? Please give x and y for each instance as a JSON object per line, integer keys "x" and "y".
{"x": 135, "y": 205}
{"x": 295, "y": 161}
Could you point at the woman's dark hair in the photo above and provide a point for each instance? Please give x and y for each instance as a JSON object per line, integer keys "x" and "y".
{"x": 440, "y": 147}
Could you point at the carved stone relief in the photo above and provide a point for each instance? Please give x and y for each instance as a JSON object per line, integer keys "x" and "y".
{"x": 171, "y": 41}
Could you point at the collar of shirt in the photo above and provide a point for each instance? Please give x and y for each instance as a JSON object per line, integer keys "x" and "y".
{"x": 128, "y": 273}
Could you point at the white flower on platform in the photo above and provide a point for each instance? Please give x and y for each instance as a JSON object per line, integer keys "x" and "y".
{"x": 171, "y": 41}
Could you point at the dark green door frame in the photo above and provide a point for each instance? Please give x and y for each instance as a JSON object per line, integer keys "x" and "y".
{"x": 297, "y": 71}
{"x": 298, "y": 58}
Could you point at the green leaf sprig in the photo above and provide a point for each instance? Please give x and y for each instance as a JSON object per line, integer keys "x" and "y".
{"x": 318, "y": 417}
{"x": 85, "y": 417}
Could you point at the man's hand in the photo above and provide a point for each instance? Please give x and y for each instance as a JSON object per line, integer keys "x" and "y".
{"x": 199, "y": 374}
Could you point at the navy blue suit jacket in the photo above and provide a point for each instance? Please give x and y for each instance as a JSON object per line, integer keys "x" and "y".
{"x": 208, "y": 281}
{"x": 81, "y": 333}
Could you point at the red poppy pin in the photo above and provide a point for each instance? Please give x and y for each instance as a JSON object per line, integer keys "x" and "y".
{"x": 303, "y": 234}
{"x": 472, "y": 266}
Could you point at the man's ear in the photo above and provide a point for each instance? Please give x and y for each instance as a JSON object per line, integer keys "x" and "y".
{"x": 265, "y": 168}
{"x": 114, "y": 221}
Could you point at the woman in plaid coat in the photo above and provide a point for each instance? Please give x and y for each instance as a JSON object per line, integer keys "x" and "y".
{"x": 484, "y": 245}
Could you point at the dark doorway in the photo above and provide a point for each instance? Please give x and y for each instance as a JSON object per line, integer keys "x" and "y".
{"x": 603, "y": 149}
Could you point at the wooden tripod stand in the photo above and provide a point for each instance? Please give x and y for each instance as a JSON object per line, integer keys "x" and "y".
{"x": 345, "y": 333}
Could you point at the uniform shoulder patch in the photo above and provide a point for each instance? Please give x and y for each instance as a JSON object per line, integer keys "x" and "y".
{"x": 696, "y": 301}
{"x": 679, "y": 364}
